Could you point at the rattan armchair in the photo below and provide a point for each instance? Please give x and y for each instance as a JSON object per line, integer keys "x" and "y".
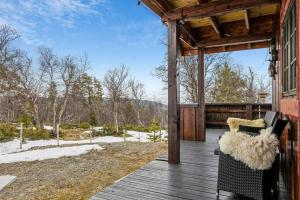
{"x": 234, "y": 176}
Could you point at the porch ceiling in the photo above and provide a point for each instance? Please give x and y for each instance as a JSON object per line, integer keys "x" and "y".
{"x": 219, "y": 25}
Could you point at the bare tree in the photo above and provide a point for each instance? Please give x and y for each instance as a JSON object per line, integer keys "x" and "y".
{"x": 30, "y": 89}
{"x": 49, "y": 65}
{"x": 10, "y": 58}
{"x": 70, "y": 71}
{"x": 7, "y": 52}
{"x": 115, "y": 82}
{"x": 264, "y": 84}
{"x": 60, "y": 76}
{"x": 250, "y": 90}
{"x": 137, "y": 91}
{"x": 17, "y": 78}
{"x": 188, "y": 68}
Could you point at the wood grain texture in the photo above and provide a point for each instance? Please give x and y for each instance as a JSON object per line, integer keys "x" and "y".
{"x": 201, "y": 133}
{"x": 173, "y": 95}
{"x": 195, "y": 178}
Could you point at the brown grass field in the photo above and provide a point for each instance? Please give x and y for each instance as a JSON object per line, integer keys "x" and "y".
{"x": 77, "y": 177}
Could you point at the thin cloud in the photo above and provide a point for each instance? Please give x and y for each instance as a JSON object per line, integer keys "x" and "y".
{"x": 26, "y": 16}
{"x": 146, "y": 33}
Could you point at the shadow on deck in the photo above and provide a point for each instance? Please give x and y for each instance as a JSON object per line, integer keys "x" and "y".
{"x": 194, "y": 178}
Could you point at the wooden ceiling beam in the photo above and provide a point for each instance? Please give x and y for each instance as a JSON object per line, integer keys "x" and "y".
{"x": 258, "y": 45}
{"x": 259, "y": 25}
{"x": 160, "y": 7}
{"x": 235, "y": 40}
{"x": 247, "y": 21}
{"x": 213, "y": 8}
{"x": 214, "y": 23}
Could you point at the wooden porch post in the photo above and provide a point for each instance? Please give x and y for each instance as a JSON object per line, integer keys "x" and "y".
{"x": 201, "y": 134}
{"x": 173, "y": 96}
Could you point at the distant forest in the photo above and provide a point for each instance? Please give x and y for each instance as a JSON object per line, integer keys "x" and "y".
{"x": 59, "y": 90}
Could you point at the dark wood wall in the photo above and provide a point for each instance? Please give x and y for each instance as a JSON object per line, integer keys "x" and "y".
{"x": 289, "y": 106}
{"x": 216, "y": 116}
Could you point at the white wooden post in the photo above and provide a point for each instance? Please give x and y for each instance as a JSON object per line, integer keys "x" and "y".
{"x": 91, "y": 132}
{"x": 139, "y": 137}
{"x": 21, "y": 135}
{"x": 160, "y": 132}
{"x": 57, "y": 134}
{"x": 124, "y": 135}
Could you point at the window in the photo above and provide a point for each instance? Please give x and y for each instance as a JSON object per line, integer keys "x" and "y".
{"x": 289, "y": 52}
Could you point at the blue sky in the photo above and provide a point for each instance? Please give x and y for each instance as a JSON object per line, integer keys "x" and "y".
{"x": 110, "y": 32}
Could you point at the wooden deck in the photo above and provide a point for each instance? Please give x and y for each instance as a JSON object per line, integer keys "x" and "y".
{"x": 195, "y": 178}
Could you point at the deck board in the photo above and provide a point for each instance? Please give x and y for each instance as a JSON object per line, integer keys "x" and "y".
{"x": 194, "y": 178}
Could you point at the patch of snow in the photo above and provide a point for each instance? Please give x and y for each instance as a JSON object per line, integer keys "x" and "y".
{"x": 99, "y": 128}
{"x": 142, "y": 136}
{"x": 51, "y": 153}
{"x": 13, "y": 146}
{"x": 48, "y": 128}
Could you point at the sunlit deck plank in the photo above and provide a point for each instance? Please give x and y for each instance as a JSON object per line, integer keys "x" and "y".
{"x": 194, "y": 178}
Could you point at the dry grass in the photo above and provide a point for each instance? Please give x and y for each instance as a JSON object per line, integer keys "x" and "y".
{"x": 77, "y": 177}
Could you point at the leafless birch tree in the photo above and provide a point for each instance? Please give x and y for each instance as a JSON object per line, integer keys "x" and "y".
{"x": 115, "y": 82}
{"x": 137, "y": 90}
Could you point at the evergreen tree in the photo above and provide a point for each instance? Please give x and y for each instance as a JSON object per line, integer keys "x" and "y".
{"x": 229, "y": 85}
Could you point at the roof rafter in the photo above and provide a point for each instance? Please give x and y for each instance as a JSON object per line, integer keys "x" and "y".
{"x": 247, "y": 21}
{"x": 214, "y": 23}
{"x": 213, "y": 9}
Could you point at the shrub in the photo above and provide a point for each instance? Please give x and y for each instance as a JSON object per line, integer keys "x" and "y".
{"x": 25, "y": 119}
{"x": 154, "y": 137}
{"x": 36, "y": 134}
{"x": 154, "y": 127}
{"x": 84, "y": 125}
{"x": 135, "y": 128}
{"x": 109, "y": 130}
{"x": 67, "y": 126}
{"x": 7, "y": 132}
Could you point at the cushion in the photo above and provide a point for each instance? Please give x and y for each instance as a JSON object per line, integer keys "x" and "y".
{"x": 234, "y": 123}
{"x": 279, "y": 126}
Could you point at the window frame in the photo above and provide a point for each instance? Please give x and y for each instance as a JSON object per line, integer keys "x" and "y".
{"x": 289, "y": 47}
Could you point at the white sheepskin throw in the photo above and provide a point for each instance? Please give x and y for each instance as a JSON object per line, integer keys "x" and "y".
{"x": 257, "y": 152}
{"x": 234, "y": 123}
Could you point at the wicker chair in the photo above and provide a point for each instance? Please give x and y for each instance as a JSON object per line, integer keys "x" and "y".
{"x": 234, "y": 176}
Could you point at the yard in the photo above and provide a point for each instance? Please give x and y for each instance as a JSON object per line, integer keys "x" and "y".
{"x": 78, "y": 177}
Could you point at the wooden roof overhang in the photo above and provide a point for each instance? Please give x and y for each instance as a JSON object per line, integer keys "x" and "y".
{"x": 219, "y": 25}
